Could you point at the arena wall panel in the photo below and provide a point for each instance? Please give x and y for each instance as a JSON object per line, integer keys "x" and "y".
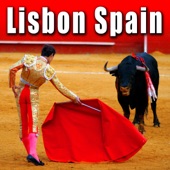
{"x": 123, "y": 42}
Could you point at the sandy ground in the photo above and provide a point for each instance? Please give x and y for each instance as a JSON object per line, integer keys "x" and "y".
{"x": 84, "y": 75}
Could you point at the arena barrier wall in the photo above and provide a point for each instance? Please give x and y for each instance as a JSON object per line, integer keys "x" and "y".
{"x": 82, "y": 43}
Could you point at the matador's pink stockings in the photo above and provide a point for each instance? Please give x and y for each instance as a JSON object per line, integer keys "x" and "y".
{"x": 30, "y": 143}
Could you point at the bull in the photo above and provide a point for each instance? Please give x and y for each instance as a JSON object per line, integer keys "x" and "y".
{"x": 132, "y": 86}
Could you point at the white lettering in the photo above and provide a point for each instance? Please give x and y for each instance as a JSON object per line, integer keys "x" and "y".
{"x": 100, "y": 28}
{"x": 10, "y": 21}
{"x": 21, "y": 20}
{"x": 78, "y": 22}
{"x": 155, "y": 22}
{"x": 143, "y": 20}
{"x": 131, "y": 25}
{"x": 115, "y": 23}
{"x": 47, "y": 21}
{"x": 34, "y": 27}
{"x": 63, "y": 22}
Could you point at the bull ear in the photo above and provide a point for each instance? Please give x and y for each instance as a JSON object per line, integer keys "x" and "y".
{"x": 142, "y": 68}
{"x": 114, "y": 68}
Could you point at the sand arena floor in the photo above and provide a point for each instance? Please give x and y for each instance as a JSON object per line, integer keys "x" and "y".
{"x": 84, "y": 75}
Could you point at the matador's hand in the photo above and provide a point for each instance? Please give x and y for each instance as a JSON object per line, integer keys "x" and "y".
{"x": 77, "y": 101}
{"x": 14, "y": 89}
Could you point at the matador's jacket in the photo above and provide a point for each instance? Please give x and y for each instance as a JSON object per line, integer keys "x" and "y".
{"x": 35, "y": 72}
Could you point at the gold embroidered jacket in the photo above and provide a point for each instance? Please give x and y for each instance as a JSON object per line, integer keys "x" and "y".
{"x": 35, "y": 72}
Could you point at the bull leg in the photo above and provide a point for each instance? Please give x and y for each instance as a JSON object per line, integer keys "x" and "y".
{"x": 126, "y": 111}
{"x": 136, "y": 119}
{"x": 127, "y": 115}
{"x": 141, "y": 124}
{"x": 125, "y": 106}
{"x": 140, "y": 113}
{"x": 155, "y": 118}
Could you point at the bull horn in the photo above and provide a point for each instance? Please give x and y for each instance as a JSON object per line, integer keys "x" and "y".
{"x": 142, "y": 68}
{"x": 147, "y": 68}
{"x": 114, "y": 68}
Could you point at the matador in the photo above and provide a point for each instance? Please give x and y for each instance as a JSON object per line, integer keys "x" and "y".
{"x": 35, "y": 72}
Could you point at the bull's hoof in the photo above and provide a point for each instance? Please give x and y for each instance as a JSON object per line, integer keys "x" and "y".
{"x": 141, "y": 128}
{"x": 157, "y": 124}
{"x": 135, "y": 122}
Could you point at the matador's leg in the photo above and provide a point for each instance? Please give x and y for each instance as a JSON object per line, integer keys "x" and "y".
{"x": 28, "y": 107}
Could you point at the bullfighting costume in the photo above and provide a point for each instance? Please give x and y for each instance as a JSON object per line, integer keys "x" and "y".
{"x": 35, "y": 72}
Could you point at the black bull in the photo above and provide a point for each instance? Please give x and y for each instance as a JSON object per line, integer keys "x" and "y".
{"x": 131, "y": 86}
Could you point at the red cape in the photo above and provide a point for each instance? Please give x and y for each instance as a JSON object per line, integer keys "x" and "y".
{"x": 75, "y": 133}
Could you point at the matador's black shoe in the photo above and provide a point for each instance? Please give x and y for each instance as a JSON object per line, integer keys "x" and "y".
{"x": 30, "y": 158}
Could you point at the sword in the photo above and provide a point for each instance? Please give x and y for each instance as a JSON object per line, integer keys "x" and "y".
{"x": 91, "y": 107}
